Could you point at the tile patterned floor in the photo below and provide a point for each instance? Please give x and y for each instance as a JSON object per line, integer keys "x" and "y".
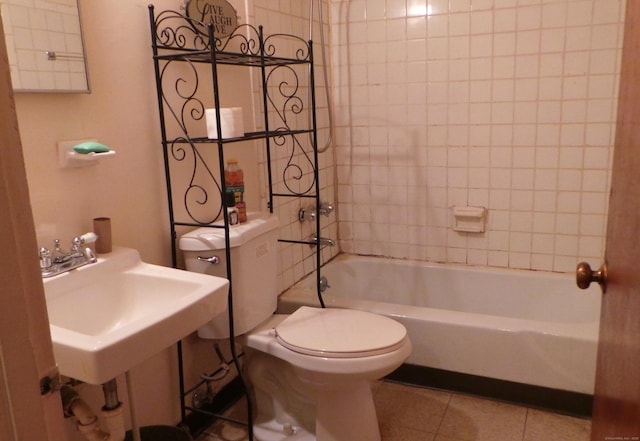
{"x": 407, "y": 413}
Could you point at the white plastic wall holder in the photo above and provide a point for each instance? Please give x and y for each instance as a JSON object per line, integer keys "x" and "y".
{"x": 69, "y": 158}
{"x": 469, "y": 219}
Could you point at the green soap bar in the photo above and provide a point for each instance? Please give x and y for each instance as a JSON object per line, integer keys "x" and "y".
{"x": 90, "y": 147}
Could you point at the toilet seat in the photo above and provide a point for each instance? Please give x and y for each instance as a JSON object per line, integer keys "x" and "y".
{"x": 339, "y": 333}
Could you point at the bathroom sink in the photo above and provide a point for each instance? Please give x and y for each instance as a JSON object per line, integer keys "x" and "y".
{"x": 108, "y": 316}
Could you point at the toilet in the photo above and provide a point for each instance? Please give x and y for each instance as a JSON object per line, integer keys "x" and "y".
{"x": 310, "y": 370}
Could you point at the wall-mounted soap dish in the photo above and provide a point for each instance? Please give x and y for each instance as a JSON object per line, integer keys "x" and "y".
{"x": 69, "y": 158}
{"x": 469, "y": 219}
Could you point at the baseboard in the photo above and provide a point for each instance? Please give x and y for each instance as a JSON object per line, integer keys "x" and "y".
{"x": 560, "y": 401}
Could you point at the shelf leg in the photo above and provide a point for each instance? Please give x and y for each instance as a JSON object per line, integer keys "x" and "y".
{"x": 135, "y": 427}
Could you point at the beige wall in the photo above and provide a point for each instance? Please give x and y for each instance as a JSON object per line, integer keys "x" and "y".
{"x": 121, "y": 112}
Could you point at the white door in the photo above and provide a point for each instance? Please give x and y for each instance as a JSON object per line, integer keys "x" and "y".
{"x": 26, "y": 354}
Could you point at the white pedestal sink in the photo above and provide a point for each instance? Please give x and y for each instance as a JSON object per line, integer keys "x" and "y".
{"x": 109, "y": 316}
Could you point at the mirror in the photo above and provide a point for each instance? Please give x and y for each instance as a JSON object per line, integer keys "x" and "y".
{"x": 44, "y": 44}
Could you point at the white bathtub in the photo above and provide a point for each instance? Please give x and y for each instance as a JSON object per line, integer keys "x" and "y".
{"x": 529, "y": 327}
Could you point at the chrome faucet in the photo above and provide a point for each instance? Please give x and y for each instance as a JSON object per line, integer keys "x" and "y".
{"x": 59, "y": 261}
{"x": 326, "y": 208}
{"x": 310, "y": 213}
{"x": 322, "y": 240}
{"x": 324, "y": 284}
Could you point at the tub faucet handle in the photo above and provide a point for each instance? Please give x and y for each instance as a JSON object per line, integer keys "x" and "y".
{"x": 324, "y": 284}
{"x": 326, "y": 208}
{"x": 309, "y": 213}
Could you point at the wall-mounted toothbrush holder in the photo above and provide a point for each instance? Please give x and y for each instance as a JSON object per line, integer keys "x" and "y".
{"x": 69, "y": 158}
{"x": 469, "y": 219}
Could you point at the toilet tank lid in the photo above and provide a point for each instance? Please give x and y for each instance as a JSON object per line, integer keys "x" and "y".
{"x": 208, "y": 238}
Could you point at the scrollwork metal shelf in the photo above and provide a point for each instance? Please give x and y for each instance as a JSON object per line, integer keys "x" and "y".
{"x": 230, "y": 58}
{"x": 177, "y": 36}
{"x": 247, "y": 137}
{"x": 181, "y": 46}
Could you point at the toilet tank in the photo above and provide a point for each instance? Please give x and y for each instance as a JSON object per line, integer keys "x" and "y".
{"x": 254, "y": 270}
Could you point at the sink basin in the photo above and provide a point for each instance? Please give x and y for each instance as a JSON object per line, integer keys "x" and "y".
{"x": 108, "y": 316}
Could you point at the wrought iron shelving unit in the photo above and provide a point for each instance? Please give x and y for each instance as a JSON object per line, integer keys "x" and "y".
{"x": 187, "y": 56}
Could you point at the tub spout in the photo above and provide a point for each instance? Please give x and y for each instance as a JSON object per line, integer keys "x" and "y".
{"x": 323, "y": 241}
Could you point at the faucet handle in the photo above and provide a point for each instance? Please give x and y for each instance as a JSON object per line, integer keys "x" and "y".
{"x": 326, "y": 208}
{"x": 76, "y": 242}
{"x": 90, "y": 255}
{"x": 310, "y": 213}
{"x": 307, "y": 214}
{"x": 58, "y": 255}
{"x": 45, "y": 258}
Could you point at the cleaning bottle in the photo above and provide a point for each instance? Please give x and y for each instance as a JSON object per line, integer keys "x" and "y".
{"x": 234, "y": 182}
{"x": 232, "y": 211}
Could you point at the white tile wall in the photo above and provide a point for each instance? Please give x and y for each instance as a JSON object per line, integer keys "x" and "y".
{"x": 292, "y": 17}
{"x": 507, "y": 104}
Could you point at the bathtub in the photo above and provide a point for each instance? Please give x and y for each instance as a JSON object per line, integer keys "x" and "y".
{"x": 531, "y": 327}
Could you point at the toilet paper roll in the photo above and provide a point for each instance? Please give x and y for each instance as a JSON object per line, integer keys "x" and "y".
{"x": 102, "y": 228}
{"x": 231, "y": 121}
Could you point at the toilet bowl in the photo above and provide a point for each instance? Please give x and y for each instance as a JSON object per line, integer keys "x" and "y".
{"x": 328, "y": 357}
{"x": 311, "y": 370}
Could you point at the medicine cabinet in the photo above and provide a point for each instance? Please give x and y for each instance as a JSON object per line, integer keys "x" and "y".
{"x": 44, "y": 45}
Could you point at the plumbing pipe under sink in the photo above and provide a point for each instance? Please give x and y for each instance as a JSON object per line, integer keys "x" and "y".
{"x": 87, "y": 421}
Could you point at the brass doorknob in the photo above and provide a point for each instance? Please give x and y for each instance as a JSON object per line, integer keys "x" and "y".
{"x": 585, "y": 275}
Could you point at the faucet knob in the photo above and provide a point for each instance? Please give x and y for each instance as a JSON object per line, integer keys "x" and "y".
{"x": 310, "y": 213}
{"x": 58, "y": 255}
{"x": 76, "y": 242}
{"x": 45, "y": 258}
{"x": 307, "y": 214}
{"x": 326, "y": 208}
{"x": 324, "y": 284}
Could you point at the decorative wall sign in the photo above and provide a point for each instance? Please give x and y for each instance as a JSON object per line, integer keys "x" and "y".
{"x": 220, "y": 13}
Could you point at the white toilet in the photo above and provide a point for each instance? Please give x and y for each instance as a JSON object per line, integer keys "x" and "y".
{"x": 311, "y": 370}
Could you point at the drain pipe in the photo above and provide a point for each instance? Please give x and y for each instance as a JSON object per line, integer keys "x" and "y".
{"x": 113, "y": 412}
{"x": 87, "y": 421}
